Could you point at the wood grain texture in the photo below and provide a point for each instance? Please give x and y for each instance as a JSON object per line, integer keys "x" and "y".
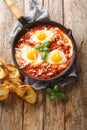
{"x": 33, "y": 114}
{"x": 75, "y": 17}
{"x": 13, "y": 8}
{"x": 11, "y": 109}
{"x": 54, "y": 111}
{"x": 55, "y": 10}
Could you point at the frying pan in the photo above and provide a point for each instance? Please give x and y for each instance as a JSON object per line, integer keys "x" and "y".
{"x": 26, "y": 27}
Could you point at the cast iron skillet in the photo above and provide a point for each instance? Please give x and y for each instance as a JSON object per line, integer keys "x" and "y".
{"x": 26, "y": 27}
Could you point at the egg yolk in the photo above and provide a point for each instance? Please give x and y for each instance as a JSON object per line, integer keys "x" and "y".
{"x": 56, "y": 57}
{"x": 41, "y": 36}
{"x": 32, "y": 55}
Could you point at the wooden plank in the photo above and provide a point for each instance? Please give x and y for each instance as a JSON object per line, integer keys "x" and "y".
{"x": 75, "y": 17}
{"x": 54, "y": 111}
{"x": 33, "y": 114}
{"x": 55, "y": 10}
{"x": 11, "y": 109}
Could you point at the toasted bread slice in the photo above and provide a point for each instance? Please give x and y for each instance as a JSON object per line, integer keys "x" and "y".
{"x": 13, "y": 72}
{"x": 12, "y": 83}
{"x": 4, "y": 92}
{"x": 27, "y": 93}
{"x": 0, "y": 81}
{"x": 2, "y": 62}
{"x": 3, "y": 70}
{"x": 2, "y": 73}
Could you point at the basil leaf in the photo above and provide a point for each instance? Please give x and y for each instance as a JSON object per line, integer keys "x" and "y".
{"x": 49, "y": 90}
{"x": 61, "y": 95}
{"x": 56, "y": 88}
{"x": 41, "y": 49}
{"x": 46, "y": 43}
{"x": 52, "y": 93}
{"x": 37, "y": 47}
{"x": 43, "y": 55}
{"x": 53, "y": 97}
{"x": 46, "y": 49}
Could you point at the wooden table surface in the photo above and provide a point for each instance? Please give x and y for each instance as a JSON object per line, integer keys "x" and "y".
{"x": 46, "y": 115}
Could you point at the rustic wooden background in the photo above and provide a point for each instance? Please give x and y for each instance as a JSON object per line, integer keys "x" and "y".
{"x": 46, "y": 115}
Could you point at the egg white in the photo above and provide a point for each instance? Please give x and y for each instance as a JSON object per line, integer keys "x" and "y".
{"x": 24, "y": 52}
{"x": 50, "y": 55}
{"x": 49, "y": 35}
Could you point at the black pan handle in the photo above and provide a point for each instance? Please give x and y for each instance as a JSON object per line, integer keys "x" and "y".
{"x": 22, "y": 20}
{"x": 15, "y": 11}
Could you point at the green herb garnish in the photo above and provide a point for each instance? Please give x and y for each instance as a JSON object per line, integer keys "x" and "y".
{"x": 46, "y": 43}
{"x": 54, "y": 93}
{"x": 43, "y": 49}
{"x": 43, "y": 55}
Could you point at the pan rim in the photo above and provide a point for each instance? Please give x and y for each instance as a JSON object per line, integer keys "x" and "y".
{"x": 65, "y": 30}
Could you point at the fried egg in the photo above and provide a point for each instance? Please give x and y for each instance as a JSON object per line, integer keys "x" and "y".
{"x": 30, "y": 55}
{"x": 56, "y": 57}
{"x": 42, "y": 35}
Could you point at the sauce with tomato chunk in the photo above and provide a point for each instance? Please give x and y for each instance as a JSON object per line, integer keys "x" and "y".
{"x": 58, "y": 58}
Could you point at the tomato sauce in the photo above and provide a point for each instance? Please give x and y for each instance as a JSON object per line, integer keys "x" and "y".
{"x": 45, "y": 70}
